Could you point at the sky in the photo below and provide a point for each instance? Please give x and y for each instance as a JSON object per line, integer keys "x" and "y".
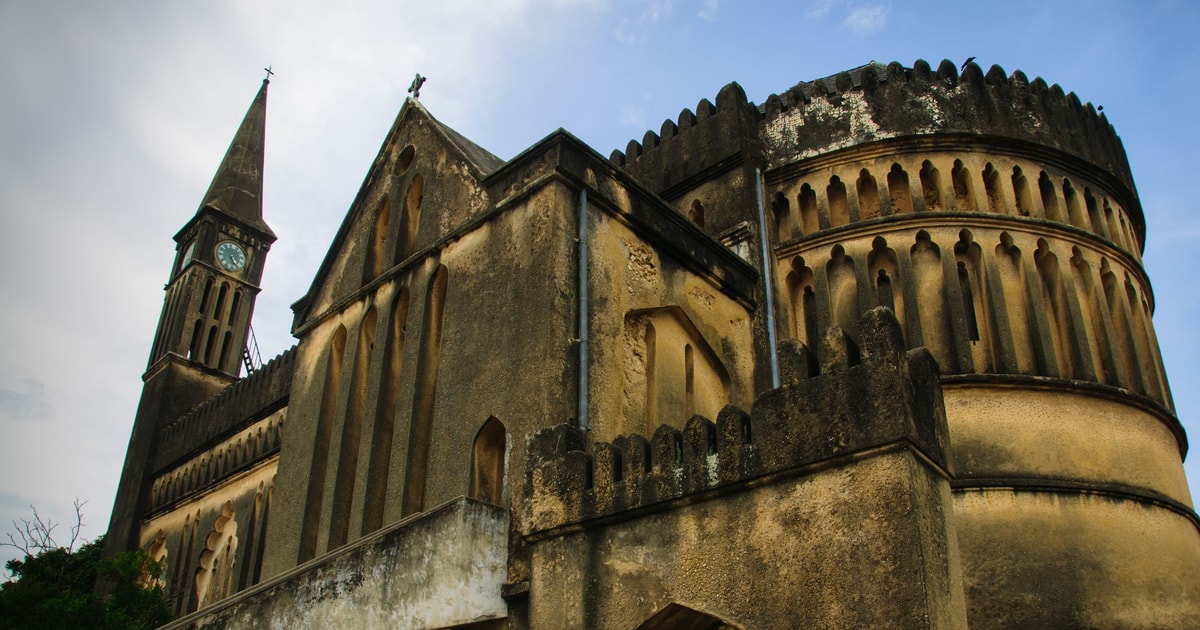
{"x": 114, "y": 116}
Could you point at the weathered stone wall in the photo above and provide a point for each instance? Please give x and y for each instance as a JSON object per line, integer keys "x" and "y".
{"x": 441, "y": 569}
{"x": 211, "y": 541}
{"x": 172, "y": 388}
{"x": 994, "y": 216}
{"x": 893, "y": 101}
{"x": 504, "y": 312}
{"x": 1072, "y": 508}
{"x": 1076, "y": 560}
{"x": 708, "y": 155}
{"x": 998, "y": 219}
{"x": 245, "y": 401}
{"x": 837, "y": 485}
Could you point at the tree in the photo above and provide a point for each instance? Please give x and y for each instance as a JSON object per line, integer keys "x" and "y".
{"x": 74, "y": 586}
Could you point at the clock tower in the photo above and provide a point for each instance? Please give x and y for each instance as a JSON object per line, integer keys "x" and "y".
{"x": 202, "y": 332}
{"x": 219, "y": 260}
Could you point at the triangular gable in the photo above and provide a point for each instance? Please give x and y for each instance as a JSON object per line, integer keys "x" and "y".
{"x": 461, "y": 166}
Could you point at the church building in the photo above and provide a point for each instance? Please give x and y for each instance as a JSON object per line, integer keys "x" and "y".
{"x": 877, "y": 352}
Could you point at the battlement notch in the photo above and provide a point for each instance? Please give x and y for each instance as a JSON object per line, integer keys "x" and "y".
{"x": 869, "y": 396}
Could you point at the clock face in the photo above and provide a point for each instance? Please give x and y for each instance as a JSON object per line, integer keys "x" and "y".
{"x": 231, "y": 256}
{"x": 187, "y": 255}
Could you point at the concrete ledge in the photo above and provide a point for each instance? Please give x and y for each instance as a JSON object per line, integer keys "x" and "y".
{"x": 440, "y": 568}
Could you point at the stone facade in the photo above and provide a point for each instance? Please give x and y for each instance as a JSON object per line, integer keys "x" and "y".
{"x": 875, "y": 353}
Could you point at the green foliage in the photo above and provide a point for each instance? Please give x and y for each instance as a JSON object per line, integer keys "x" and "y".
{"x": 57, "y": 588}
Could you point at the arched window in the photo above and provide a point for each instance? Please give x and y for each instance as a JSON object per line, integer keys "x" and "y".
{"x": 410, "y": 220}
{"x": 964, "y": 193}
{"x": 783, "y": 218}
{"x": 379, "y": 467}
{"x": 1126, "y": 352}
{"x": 1010, "y": 272}
{"x": 676, "y": 615}
{"x": 194, "y": 349}
{"x": 843, "y": 291}
{"x": 179, "y": 585}
{"x": 1049, "y": 198}
{"x": 210, "y": 346}
{"x": 972, "y": 288}
{"x": 234, "y": 307}
{"x": 883, "y": 269}
{"x": 219, "y": 310}
{"x": 810, "y": 222}
{"x": 931, "y": 186}
{"x": 929, "y": 284}
{"x": 804, "y": 309}
{"x": 321, "y": 440}
{"x": 424, "y": 395}
{"x": 487, "y": 462}
{"x": 1021, "y": 192}
{"x": 378, "y": 241}
{"x": 226, "y": 342}
{"x": 1114, "y": 228}
{"x": 208, "y": 284}
{"x": 1093, "y": 212}
{"x": 991, "y": 186}
{"x": 689, "y": 382}
{"x": 868, "y": 196}
{"x": 1074, "y": 209}
{"x": 347, "y": 463}
{"x": 1055, "y": 299}
{"x": 404, "y": 160}
{"x": 696, "y": 213}
{"x": 900, "y": 192}
{"x": 839, "y": 205}
{"x": 651, "y": 381}
{"x": 215, "y": 576}
{"x": 157, "y": 553}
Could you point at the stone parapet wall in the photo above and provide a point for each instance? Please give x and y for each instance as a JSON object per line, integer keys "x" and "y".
{"x": 860, "y": 396}
{"x": 828, "y": 505}
{"x": 440, "y": 569}
{"x": 262, "y": 391}
{"x": 892, "y": 101}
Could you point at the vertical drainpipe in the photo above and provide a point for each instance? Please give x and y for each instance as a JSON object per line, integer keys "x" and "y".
{"x": 767, "y": 284}
{"x": 583, "y": 310}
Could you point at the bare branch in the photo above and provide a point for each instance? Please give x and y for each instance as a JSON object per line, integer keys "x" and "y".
{"x": 32, "y": 536}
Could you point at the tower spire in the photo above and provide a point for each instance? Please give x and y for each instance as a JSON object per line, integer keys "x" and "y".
{"x": 236, "y": 189}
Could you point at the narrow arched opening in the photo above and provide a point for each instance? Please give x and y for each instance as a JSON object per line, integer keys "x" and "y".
{"x": 488, "y": 454}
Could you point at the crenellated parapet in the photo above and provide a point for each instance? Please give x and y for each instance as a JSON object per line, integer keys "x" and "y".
{"x": 264, "y": 389}
{"x": 708, "y": 141}
{"x": 878, "y": 102}
{"x": 240, "y": 452}
{"x": 860, "y": 397}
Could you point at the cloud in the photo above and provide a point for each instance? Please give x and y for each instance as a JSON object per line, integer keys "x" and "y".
{"x": 28, "y": 404}
{"x": 632, "y": 116}
{"x": 708, "y": 10}
{"x": 819, "y": 8}
{"x": 868, "y": 20}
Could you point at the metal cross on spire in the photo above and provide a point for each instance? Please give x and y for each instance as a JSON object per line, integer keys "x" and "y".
{"x": 269, "y": 73}
{"x": 415, "y": 87}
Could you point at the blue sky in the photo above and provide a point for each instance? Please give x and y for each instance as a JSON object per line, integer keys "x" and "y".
{"x": 114, "y": 115}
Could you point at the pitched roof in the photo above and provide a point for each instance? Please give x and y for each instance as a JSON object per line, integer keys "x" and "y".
{"x": 483, "y": 160}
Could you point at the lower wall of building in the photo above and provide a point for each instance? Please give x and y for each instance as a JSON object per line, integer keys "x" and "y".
{"x": 443, "y": 568}
{"x": 866, "y": 543}
{"x": 1009, "y": 431}
{"x": 1056, "y": 560}
{"x": 1072, "y": 509}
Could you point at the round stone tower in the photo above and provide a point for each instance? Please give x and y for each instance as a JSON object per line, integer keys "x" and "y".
{"x": 998, "y": 218}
